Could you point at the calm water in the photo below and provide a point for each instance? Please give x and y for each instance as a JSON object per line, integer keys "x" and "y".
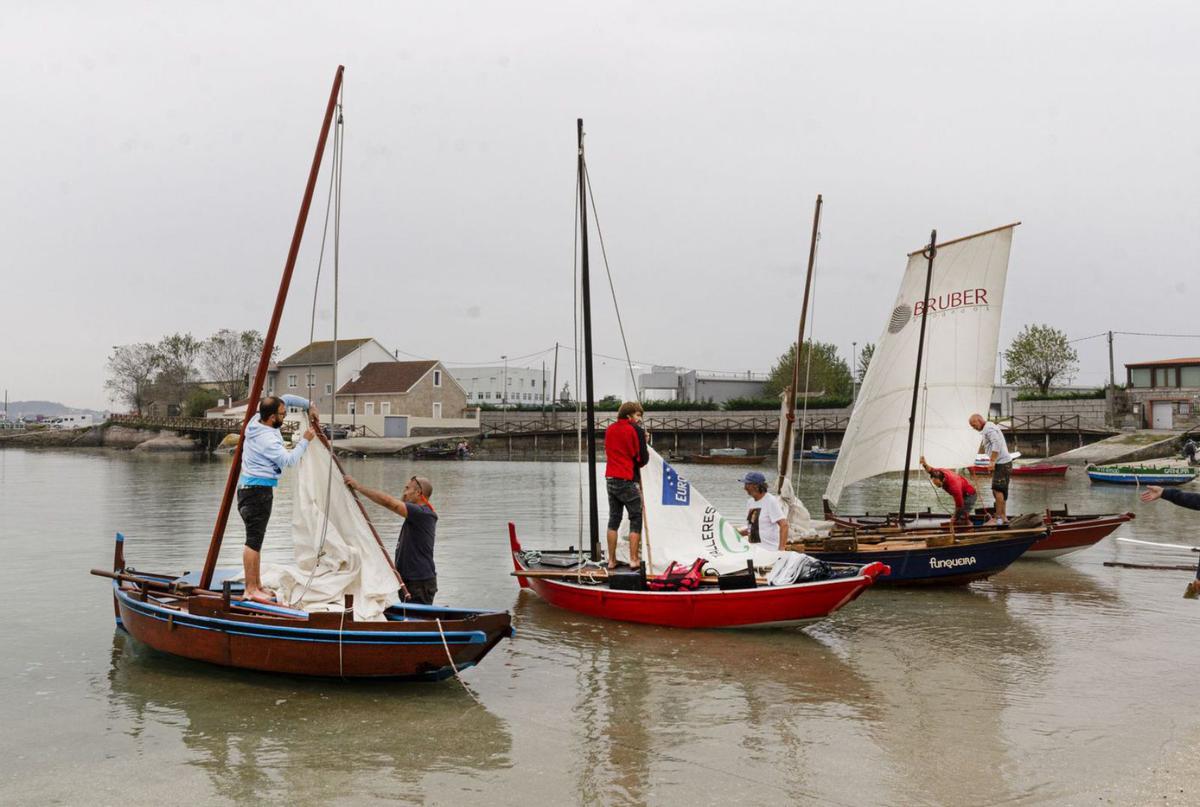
{"x": 1059, "y": 682}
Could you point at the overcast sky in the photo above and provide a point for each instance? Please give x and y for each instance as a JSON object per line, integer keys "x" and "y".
{"x": 155, "y": 156}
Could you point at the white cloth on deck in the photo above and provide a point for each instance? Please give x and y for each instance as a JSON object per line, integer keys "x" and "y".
{"x": 351, "y": 560}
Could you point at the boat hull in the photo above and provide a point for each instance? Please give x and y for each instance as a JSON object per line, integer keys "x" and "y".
{"x": 955, "y": 564}
{"x": 763, "y": 607}
{"x": 327, "y": 647}
{"x": 1139, "y": 479}
{"x": 1040, "y": 470}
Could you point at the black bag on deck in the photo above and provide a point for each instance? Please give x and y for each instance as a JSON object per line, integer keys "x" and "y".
{"x": 627, "y": 581}
{"x": 739, "y": 580}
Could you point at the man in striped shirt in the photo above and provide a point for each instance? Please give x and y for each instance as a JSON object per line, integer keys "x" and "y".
{"x": 999, "y": 463}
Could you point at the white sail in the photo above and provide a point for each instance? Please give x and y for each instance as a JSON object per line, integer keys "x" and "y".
{"x": 349, "y": 562}
{"x": 681, "y": 525}
{"x": 962, "y": 329}
{"x": 800, "y": 520}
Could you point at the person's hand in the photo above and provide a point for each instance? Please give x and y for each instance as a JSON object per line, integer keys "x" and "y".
{"x": 743, "y": 530}
{"x": 923, "y": 463}
{"x": 310, "y": 434}
{"x": 350, "y": 483}
{"x": 1152, "y": 492}
{"x": 312, "y": 411}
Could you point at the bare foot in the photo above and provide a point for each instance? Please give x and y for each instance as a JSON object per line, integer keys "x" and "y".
{"x": 1193, "y": 591}
{"x": 261, "y": 595}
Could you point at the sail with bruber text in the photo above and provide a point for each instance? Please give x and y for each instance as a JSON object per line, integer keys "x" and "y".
{"x": 962, "y": 314}
{"x": 681, "y": 525}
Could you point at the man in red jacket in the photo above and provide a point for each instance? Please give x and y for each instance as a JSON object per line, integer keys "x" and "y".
{"x": 960, "y": 489}
{"x": 625, "y": 451}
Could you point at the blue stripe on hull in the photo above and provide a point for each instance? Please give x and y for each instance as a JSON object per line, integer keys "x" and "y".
{"x": 285, "y": 633}
{"x": 938, "y": 564}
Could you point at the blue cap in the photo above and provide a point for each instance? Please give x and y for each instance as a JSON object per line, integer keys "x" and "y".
{"x": 754, "y": 478}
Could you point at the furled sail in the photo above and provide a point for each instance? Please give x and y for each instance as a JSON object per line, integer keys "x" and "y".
{"x": 350, "y": 562}
{"x": 800, "y": 520}
{"x": 681, "y": 525}
{"x": 962, "y": 329}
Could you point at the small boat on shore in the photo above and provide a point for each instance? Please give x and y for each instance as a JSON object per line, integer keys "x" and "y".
{"x": 1140, "y": 474}
{"x": 816, "y": 454}
{"x": 726, "y": 456}
{"x": 1040, "y": 469}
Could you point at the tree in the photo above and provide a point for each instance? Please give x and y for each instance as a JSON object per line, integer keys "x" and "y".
{"x": 1038, "y": 356}
{"x": 178, "y": 355}
{"x": 199, "y": 401}
{"x": 229, "y": 357}
{"x": 131, "y": 370}
{"x": 828, "y": 375}
{"x": 864, "y": 360}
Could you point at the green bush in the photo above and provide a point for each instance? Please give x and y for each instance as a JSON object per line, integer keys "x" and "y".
{"x": 1088, "y": 395}
{"x": 743, "y": 404}
{"x": 199, "y": 401}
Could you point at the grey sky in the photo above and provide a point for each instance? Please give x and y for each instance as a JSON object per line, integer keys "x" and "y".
{"x": 156, "y": 155}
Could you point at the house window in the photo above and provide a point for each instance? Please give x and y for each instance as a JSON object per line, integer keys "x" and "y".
{"x": 385, "y": 408}
{"x": 329, "y": 389}
{"x": 532, "y": 383}
{"x": 437, "y": 378}
{"x": 1185, "y": 407}
{"x": 312, "y": 379}
{"x": 370, "y": 408}
{"x": 1189, "y": 377}
{"x": 1140, "y": 377}
{"x": 292, "y": 381}
{"x": 349, "y": 407}
{"x": 437, "y": 410}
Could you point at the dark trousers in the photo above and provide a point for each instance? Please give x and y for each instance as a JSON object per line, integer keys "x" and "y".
{"x": 421, "y": 591}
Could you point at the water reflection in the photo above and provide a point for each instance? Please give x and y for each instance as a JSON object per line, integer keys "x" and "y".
{"x": 267, "y": 737}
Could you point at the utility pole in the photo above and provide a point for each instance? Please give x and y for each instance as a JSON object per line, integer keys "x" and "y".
{"x": 543, "y": 393}
{"x": 1112, "y": 385}
{"x": 853, "y": 373}
{"x": 554, "y": 388}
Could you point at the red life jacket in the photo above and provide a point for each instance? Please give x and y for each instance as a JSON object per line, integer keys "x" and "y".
{"x": 678, "y": 577}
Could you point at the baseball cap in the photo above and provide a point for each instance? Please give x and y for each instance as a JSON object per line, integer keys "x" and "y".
{"x": 754, "y": 478}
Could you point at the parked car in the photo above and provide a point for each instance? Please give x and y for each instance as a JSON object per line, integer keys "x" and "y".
{"x": 335, "y": 432}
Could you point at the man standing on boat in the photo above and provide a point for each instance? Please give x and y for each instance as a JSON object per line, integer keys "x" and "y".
{"x": 414, "y": 549}
{"x": 263, "y": 460}
{"x": 625, "y": 453}
{"x": 1184, "y": 499}
{"x": 999, "y": 463}
{"x": 766, "y": 521}
{"x": 962, "y": 491}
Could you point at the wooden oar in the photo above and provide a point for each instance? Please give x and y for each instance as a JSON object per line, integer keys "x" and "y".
{"x": 1180, "y": 547}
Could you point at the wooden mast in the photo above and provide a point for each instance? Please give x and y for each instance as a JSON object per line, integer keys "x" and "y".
{"x": 790, "y": 427}
{"x": 214, "y": 546}
{"x": 912, "y": 414}
{"x": 585, "y": 283}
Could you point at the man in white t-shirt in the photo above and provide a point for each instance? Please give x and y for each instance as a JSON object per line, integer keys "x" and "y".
{"x": 766, "y": 521}
{"x": 999, "y": 462}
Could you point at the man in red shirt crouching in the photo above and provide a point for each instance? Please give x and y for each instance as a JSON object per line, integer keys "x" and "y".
{"x": 959, "y": 488}
{"x": 625, "y": 452}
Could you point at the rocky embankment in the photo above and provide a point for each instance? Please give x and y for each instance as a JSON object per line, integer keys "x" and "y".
{"x": 104, "y": 436}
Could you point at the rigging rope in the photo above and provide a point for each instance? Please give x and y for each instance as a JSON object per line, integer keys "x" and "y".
{"x": 334, "y": 203}
{"x": 612, "y": 289}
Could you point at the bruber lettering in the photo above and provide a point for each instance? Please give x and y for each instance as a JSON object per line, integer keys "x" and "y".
{"x": 951, "y": 300}
{"x": 951, "y": 563}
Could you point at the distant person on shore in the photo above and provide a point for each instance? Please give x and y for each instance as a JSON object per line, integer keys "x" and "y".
{"x": 999, "y": 463}
{"x": 414, "y": 548}
{"x": 962, "y": 491}
{"x": 263, "y": 460}
{"x": 766, "y": 521}
{"x": 625, "y": 452}
{"x": 1184, "y": 499}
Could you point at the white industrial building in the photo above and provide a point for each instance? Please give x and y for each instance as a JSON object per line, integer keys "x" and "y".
{"x": 505, "y": 386}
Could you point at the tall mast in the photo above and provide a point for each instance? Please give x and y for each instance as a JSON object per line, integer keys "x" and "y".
{"x": 585, "y": 282}
{"x": 912, "y": 414}
{"x": 790, "y": 427}
{"x": 260, "y": 375}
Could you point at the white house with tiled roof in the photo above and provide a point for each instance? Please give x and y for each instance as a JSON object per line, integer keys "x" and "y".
{"x": 309, "y": 371}
{"x": 396, "y": 398}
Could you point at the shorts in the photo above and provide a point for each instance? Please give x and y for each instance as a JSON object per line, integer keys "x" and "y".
{"x": 1000, "y": 476}
{"x": 964, "y": 513}
{"x": 624, "y": 494}
{"x": 254, "y": 506}
{"x": 421, "y": 592}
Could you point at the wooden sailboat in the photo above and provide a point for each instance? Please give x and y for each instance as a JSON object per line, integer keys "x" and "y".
{"x": 202, "y": 615}
{"x": 586, "y": 588}
{"x": 972, "y": 286}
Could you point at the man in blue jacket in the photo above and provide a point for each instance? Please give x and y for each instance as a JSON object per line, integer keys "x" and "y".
{"x": 1183, "y": 499}
{"x": 263, "y": 460}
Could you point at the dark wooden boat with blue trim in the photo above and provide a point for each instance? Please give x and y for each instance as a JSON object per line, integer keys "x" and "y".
{"x": 186, "y": 615}
{"x": 172, "y": 614}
